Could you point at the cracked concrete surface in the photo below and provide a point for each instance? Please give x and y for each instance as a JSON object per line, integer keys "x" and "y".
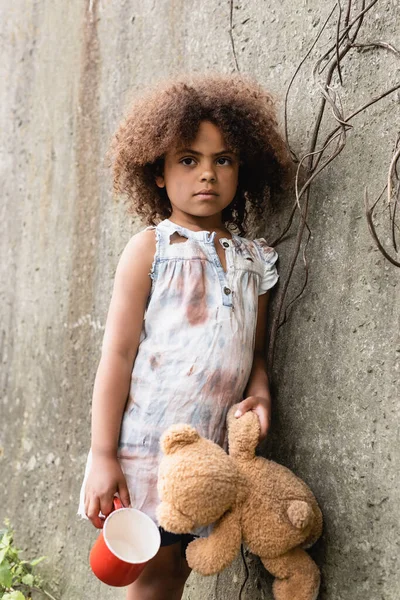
{"x": 67, "y": 72}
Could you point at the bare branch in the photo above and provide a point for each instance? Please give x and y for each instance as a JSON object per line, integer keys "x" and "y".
{"x": 231, "y": 35}
{"x": 292, "y": 80}
{"x": 364, "y": 107}
{"x": 372, "y": 45}
{"x": 315, "y": 160}
{"x": 390, "y": 174}
{"x": 393, "y": 175}
{"x": 278, "y": 240}
{"x": 368, "y": 212}
{"x": 301, "y": 292}
{"x": 337, "y": 43}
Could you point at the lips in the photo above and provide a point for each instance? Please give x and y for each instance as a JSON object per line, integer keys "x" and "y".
{"x": 206, "y": 192}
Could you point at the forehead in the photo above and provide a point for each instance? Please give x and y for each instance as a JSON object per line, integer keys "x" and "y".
{"x": 208, "y": 137}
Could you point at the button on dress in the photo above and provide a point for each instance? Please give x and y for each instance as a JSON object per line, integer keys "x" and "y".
{"x": 196, "y": 347}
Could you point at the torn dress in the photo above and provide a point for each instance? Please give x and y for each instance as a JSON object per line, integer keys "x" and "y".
{"x": 196, "y": 347}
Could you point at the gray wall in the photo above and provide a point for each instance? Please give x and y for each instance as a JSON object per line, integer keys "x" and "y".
{"x": 67, "y": 71}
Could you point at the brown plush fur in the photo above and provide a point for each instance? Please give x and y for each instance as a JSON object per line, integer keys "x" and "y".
{"x": 251, "y": 499}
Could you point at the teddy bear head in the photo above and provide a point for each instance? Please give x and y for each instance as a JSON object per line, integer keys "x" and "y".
{"x": 197, "y": 481}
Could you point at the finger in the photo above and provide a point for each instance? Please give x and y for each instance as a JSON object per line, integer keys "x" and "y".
{"x": 106, "y": 504}
{"x": 124, "y": 493}
{"x": 264, "y": 422}
{"x": 93, "y": 513}
{"x": 244, "y": 406}
{"x": 86, "y": 500}
{"x": 86, "y": 503}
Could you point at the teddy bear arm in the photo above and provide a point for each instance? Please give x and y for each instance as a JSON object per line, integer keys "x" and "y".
{"x": 211, "y": 555}
{"x": 243, "y": 434}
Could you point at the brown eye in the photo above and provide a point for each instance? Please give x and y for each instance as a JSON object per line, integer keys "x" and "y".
{"x": 187, "y": 158}
{"x": 225, "y": 158}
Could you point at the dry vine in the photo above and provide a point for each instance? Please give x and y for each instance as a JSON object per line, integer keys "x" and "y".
{"x": 393, "y": 199}
{"x": 317, "y": 158}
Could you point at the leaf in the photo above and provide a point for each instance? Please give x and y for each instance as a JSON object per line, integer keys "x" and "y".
{"x": 13, "y": 553}
{"x": 14, "y": 596}
{"x": 3, "y": 554}
{"x": 28, "y": 579}
{"x": 36, "y": 561}
{"x": 5, "y": 574}
{"x": 19, "y": 571}
{"x": 6, "y": 539}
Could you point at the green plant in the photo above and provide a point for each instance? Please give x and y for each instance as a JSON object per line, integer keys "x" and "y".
{"x": 17, "y": 577}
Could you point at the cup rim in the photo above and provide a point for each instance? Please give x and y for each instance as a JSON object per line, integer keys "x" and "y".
{"x": 143, "y": 514}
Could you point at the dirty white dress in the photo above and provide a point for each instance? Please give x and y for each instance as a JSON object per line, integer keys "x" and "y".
{"x": 196, "y": 347}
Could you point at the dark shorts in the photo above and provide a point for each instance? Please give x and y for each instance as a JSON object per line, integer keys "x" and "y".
{"x": 168, "y": 538}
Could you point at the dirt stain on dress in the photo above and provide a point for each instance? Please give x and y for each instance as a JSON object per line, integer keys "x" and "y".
{"x": 154, "y": 362}
{"x": 196, "y": 310}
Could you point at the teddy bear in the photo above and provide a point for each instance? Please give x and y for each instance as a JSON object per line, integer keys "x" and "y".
{"x": 245, "y": 498}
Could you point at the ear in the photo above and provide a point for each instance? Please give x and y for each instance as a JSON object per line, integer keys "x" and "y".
{"x": 171, "y": 519}
{"x": 160, "y": 182}
{"x": 178, "y": 436}
{"x": 158, "y": 171}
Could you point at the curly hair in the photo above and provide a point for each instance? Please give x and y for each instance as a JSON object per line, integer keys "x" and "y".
{"x": 171, "y": 112}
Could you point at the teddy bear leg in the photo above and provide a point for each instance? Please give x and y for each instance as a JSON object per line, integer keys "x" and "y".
{"x": 297, "y": 576}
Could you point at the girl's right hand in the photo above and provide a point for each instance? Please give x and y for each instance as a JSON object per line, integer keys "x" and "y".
{"x": 104, "y": 480}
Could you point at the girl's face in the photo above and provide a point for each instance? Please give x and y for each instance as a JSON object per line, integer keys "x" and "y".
{"x": 206, "y": 164}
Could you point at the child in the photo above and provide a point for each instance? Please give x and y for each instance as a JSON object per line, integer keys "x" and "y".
{"x": 200, "y": 156}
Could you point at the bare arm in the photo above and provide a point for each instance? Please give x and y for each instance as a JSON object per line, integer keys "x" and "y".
{"x": 258, "y": 380}
{"x": 121, "y": 339}
{"x": 257, "y": 394}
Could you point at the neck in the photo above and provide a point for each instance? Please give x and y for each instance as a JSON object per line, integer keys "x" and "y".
{"x": 213, "y": 223}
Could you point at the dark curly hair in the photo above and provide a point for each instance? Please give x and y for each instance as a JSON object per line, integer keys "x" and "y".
{"x": 171, "y": 112}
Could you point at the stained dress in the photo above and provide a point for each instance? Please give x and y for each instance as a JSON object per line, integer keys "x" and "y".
{"x": 196, "y": 347}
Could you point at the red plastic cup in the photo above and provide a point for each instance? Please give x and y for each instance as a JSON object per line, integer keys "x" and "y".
{"x": 128, "y": 540}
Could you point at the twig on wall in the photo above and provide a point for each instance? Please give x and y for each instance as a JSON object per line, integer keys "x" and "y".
{"x": 393, "y": 199}
{"x": 231, "y": 26}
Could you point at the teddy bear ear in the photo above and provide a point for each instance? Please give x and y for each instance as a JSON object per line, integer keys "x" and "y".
{"x": 171, "y": 519}
{"x": 178, "y": 436}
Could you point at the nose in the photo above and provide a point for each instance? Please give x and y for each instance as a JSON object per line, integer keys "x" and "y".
{"x": 208, "y": 174}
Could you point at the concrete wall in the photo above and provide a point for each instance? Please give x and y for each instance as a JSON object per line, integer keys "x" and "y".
{"x": 67, "y": 71}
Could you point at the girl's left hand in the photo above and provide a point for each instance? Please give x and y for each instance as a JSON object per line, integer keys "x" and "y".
{"x": 262, "y": 407}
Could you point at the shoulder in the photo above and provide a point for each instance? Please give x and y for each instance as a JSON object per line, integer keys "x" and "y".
{"x": 265, "y": 257}
{"x": 259, "y": 249}
{"x": 143, "y": 241}
{"x": 139, "y": 251}
{"x": 266, "y": 252}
